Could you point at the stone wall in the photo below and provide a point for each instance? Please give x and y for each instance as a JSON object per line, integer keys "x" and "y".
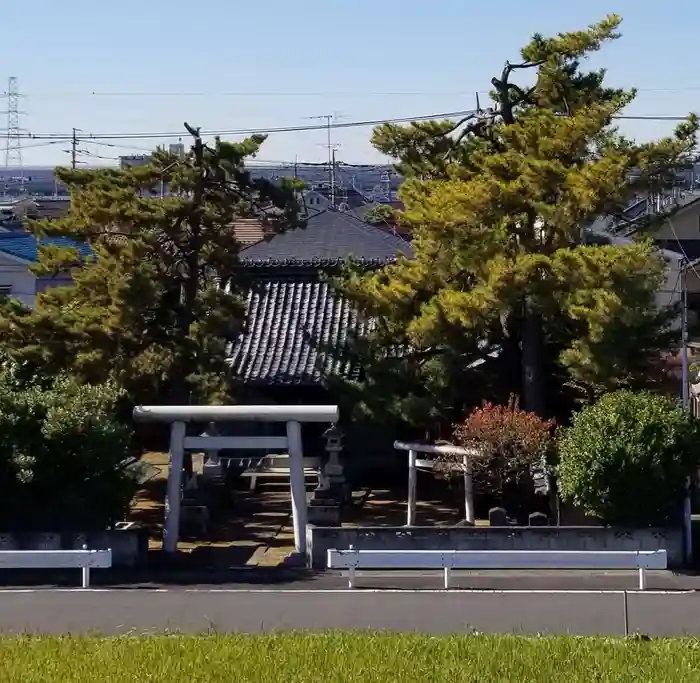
{"x": 129, "y": 546}
{"x": 321, "y": 539}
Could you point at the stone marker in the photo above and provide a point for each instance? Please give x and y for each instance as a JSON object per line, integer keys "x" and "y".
{"x": 498, "y": 517}
{"x": 538, "y": 519}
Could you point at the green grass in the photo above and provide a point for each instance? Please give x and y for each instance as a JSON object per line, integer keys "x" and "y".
{"x": 361, "y": 658}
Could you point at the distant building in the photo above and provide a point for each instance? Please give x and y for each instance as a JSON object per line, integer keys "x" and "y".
{"x": 134, "y": 160}
{"x": 18, "y": 252}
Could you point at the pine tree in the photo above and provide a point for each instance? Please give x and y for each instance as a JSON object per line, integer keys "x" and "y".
{"x": 498, "y": 204}
{"x": 154, "y": 303}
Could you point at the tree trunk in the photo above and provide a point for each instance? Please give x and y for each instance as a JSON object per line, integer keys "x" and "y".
{"x": 531, "y": 354}
{"x": 189, "y": 290}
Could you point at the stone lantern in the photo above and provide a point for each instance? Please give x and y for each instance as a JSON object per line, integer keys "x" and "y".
{"x": 212, "y": 466}
{"x": 333, "y": 469}
{"x": 330, "y": 495}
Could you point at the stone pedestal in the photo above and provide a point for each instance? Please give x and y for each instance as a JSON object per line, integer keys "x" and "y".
{"x": 324, "y": 508}
{"x": 324, "y": 513}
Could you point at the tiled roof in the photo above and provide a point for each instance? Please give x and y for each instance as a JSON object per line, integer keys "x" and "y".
{"x": 363, "y": 210}
{"x": 295, "y": 334}
{"x": 330, "y": 237}
{"x": 24, "y": 245}
{"x": 249, "y": 231}
{"x": 52, "y": 208}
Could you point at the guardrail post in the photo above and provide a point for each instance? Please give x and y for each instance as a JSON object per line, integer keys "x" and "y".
{"x": 469, "y": 514}
{"x": 642, "y": 579}
{"x": 86, "y": 568}
{"x": 411, "y": 509}
{"x": 447, "y": 574}
{"x": 351, "y": 570}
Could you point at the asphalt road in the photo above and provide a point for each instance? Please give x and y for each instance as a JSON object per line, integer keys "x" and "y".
{"x": 221, "y": 610}
{"x": 255, "y": 577}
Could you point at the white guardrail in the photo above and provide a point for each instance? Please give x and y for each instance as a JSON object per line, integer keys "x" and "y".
{"x": 448, "y": 560}
{"x": 57, "y": 559}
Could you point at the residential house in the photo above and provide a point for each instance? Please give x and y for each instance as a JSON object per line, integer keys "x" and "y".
{"x": 18, "y": 252}
{"x": 677, "y": 234}
{"x": 13, "y": 214}
{"x": 319, "y": 197}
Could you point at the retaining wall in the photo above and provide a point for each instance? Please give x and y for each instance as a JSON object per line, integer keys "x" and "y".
{"x": 321, "y": 539}
{"x": 129, "y": 546}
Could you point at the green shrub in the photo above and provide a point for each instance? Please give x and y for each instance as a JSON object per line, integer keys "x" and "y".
{"x": 64, "y": 457}
{"x": 625, "y": 459}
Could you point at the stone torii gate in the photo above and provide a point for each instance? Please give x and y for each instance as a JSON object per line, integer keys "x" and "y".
{"x": 414, "y": 464}
{"x": 178, "y": 416}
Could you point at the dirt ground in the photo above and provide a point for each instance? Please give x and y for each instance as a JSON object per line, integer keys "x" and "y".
{"x": 257, "y": 533}
{"x": 258, "y": 530}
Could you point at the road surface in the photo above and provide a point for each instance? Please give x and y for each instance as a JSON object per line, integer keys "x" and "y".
{"x": 220, "y": 610}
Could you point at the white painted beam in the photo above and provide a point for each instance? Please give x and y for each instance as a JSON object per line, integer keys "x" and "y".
{"x": 228, "y": 413}
{"x": 55, "y": 559}
{"x": 217, "y": 443}
{"x": 497, "y": 559}
{"x": 438, "y": 450}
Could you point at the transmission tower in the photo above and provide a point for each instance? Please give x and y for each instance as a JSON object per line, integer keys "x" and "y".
{"x": 13, "y": 133}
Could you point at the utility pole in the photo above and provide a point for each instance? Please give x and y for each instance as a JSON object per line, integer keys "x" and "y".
{"x": 331, "y": 156}
{"x": 74, "y": 149}
{"x": 329, "y": 118}
{"x": 333, "y": 176}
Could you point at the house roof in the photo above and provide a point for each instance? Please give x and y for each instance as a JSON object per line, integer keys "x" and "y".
{"x": 671, "y": 204}
{"x": 24, "y": 246}
{"x": 685, "y": 248}
{"x": 362, "y": 211}
{"x": 52, "y": 207}
{"x": 329, "y": 238}
{"x": 296, "y": 330}
{"x": 248, "y": 231}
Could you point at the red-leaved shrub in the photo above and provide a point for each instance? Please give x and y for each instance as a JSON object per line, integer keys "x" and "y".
{"x": 506, "y": 441}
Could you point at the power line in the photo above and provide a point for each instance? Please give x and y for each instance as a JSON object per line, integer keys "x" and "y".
{"x": 312, "y": 93}
{"x": 48, "y": 143}
{"x": 253, "y": 131}
{"x": 296, "y": 129}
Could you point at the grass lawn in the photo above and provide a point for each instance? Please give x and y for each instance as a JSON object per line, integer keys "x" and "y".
{"x": 361, "y": 658}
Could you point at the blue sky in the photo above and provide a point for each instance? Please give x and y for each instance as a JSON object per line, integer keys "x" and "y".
{"x": 146, "y": 66}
